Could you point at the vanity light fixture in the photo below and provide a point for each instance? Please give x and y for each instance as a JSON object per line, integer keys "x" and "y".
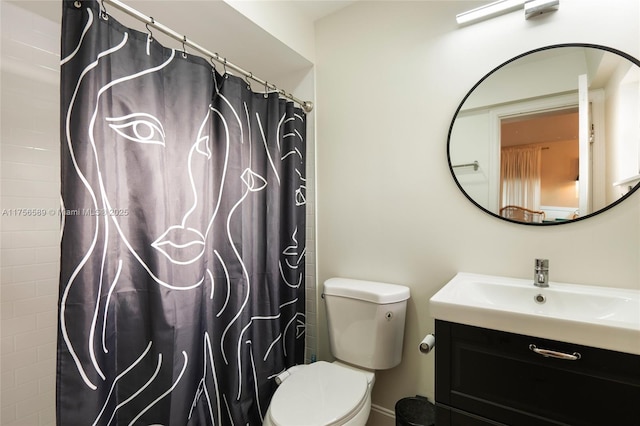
{"x": 489, "y": 11}
{"x": 531, "y": 7}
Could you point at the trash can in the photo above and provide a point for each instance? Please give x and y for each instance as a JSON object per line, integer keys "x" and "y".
{"x": 415, "y": 411}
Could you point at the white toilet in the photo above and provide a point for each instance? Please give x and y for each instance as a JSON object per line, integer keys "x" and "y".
{"x": 366, "y": 331}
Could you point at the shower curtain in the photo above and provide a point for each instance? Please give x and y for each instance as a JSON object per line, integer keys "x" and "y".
{"x": 183, "y": 234}
{"x": 520, "y": 176}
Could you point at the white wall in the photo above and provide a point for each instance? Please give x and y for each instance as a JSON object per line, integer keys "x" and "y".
{"x": 30, "y": 172}
{"x": 390, "y": 76}
{"x": 282, "y": 21}
{"x": 471, "y": 137}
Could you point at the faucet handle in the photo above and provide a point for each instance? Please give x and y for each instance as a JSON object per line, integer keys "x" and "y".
{"x": 542, "y": 264}
{"x": 541, "y": 273}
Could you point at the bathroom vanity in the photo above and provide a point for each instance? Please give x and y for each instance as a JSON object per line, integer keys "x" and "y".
{"x": 490, "y": 377}
{"x": 509, "y": 353}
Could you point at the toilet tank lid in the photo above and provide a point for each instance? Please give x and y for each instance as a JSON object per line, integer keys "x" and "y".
{"x": 370, "y": 291}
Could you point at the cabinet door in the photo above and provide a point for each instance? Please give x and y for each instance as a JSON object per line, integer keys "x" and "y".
{"x": 496, "y": 375}
{"x": 446, "y": 416}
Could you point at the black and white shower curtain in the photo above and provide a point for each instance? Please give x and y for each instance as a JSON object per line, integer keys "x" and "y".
{"x": 183, "y": 238}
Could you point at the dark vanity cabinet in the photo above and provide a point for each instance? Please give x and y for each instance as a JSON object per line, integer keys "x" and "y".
{"x": 489, "y": 377}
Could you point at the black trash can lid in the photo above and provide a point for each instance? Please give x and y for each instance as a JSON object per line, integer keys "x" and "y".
{"x": 415, "y": 411}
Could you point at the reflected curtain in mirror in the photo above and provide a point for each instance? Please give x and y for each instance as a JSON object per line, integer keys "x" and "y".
{"x": 520, "y": 176}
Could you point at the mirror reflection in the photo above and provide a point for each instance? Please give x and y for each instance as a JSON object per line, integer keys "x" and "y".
{"x": 551, "y": 136}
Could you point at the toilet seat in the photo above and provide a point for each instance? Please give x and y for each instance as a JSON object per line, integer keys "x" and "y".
{"x": 321, "y": 393}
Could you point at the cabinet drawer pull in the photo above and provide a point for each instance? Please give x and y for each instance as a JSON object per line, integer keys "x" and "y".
{"x": 554, "y": 354}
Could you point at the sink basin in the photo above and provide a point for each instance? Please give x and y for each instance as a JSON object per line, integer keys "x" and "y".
{"x": 602, "y": 317}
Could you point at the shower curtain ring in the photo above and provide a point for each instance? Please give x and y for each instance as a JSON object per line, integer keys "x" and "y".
{"x": 213, "y": 60}
{"x": 266, "y": 89}
{"x": 149, "y": 29}
{"x": 77, "y": 4}
{"x": 184, "y": 48}
{"x": 246, "y": 78}
{"x": 103, "y": 11}
{"x": 224, "y": 64}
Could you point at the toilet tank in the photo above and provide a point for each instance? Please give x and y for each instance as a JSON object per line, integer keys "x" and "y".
{"x": 366, "y": 321}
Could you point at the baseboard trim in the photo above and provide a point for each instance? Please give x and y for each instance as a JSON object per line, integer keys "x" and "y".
{"x": 383, "y": 411}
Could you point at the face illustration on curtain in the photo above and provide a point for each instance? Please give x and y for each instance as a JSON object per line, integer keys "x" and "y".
{"x": 182, "y": 267}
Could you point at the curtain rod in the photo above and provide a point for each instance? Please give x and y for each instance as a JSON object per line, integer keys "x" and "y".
{"x": 307, "y": 106}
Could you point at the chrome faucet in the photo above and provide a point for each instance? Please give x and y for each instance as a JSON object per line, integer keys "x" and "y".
{"x": 541, "y": 273}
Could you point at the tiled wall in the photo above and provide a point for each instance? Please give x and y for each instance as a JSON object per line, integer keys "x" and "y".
{"x": 310, "y": 265}
{"x": 30, "y": 233}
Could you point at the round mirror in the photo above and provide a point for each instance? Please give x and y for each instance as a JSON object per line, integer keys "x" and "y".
{"x": 550, "y": 136}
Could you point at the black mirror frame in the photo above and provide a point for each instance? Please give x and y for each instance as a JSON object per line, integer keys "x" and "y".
{"x": 554, "y": 46}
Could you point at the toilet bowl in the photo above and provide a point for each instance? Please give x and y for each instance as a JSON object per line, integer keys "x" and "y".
{"x": 322, "y": 394}
{"x": 366, "y": 330}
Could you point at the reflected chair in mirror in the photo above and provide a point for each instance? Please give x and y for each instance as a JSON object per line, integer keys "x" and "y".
{"x": 521, "y": 214}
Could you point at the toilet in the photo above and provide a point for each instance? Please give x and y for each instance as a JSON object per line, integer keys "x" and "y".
{"x": 366, "y": 331}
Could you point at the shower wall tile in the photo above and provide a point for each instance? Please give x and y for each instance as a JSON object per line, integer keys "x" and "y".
{"x": 311, "y": 342}
{"x": 29, "y": 231}
{"x": 26, "y": 154}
